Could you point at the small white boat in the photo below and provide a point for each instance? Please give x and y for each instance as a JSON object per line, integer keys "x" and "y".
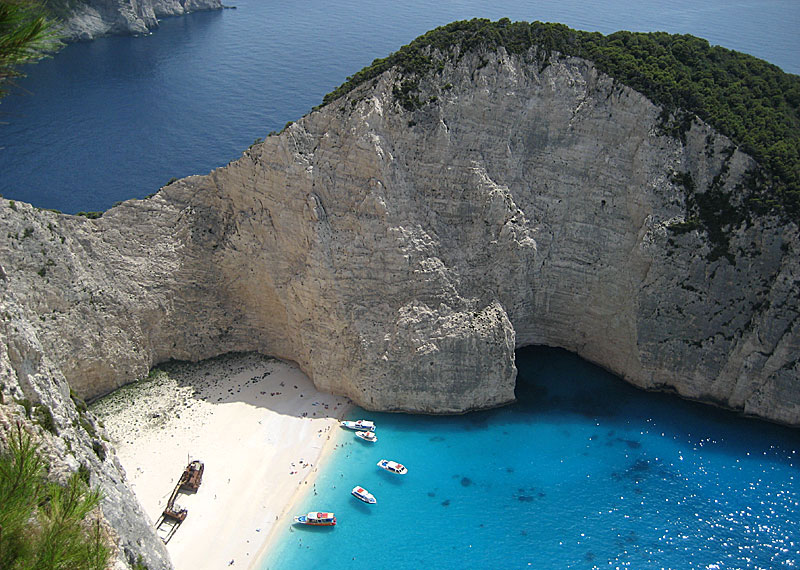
{"x": 316, "y": 519}
{"x": 360, "y": 492}
{"x": 367, "y": 436}
{"x": 363, "y": 425}
{"x": 392, "y": 466}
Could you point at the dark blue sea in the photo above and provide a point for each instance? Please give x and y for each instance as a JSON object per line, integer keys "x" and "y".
{"x": 584, "y": 471}
{"x": 117, "y": 118}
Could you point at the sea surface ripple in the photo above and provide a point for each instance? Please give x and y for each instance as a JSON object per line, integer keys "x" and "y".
{"x": 118, "y": 117}
{"x": 583, "y": 472}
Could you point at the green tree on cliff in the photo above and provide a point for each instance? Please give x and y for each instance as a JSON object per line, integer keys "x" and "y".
{"x": 43, "y": 525}
{"x": 26, "y": 35}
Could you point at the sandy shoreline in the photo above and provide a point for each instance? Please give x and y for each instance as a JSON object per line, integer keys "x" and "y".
{"x": 290, "y": 504}
{"x": 260, "y": 428}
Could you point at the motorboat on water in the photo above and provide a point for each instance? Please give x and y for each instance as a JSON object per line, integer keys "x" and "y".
{"x": 367, "y": 436}
{"x": 392, "y": 466}
{"x": 360, "y": 492}
{"x": 363, "y": 425}
{"x": 316, "y": 519}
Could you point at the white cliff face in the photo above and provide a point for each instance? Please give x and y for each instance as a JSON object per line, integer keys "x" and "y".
{"x": 89, "y": 19}
{"x": 74, "y": 440}
{"x": 400, "y": 256}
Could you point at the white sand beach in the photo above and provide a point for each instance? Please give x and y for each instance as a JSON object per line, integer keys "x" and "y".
{"x": 258, "y": 425}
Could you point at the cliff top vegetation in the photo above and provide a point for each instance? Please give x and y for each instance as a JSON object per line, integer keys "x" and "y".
{"x": 752, "y": 102}
{"x": 45, "y": 525}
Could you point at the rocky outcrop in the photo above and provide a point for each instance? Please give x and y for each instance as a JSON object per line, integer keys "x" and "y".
{"x": 32, "y": 388}
{"x": 400, "y": 256}
{"x": 88, "y": 19}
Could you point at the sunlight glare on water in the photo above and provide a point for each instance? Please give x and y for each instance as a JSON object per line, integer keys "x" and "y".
{"x": 584, "y": 471}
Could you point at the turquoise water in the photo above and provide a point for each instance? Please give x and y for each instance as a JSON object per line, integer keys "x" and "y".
{"x": 117, "y": 118}
{"x": 583, "y": 472}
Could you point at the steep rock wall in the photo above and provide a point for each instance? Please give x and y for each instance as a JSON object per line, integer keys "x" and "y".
{"x": 88, "y": 19}
{"x": 74, "y": 441}
{"x": 400, "y": 256}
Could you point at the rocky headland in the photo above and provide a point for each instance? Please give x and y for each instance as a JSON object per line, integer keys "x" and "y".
{"x": 89, "y": 19}
{"x": 400, "y": 242}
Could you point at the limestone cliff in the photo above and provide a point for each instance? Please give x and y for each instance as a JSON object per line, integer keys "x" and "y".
{"x": 73, "y": 440}
{"x": 88, "y": 19}
{"x": 400, "y": 255}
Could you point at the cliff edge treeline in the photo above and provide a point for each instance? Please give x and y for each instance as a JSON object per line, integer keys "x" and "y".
{"x": 752, "y": 102}
{"x": 400, "y": 242}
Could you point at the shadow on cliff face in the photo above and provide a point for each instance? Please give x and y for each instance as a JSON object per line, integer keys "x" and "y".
{"x": 559, "y": 386}
{"x": 556, "y": 382}
{"x": 253, "y": 379}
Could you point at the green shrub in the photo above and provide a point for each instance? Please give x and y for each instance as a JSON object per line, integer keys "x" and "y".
{"x": 685, "y": 226}
{"x": 88, "y": 426}
{"x": 80, "y": 405}
{"x": 406, "y": 94}
{"x": 25, "y": 403}
{"x": 83, "y": 473}
{"x": 99, "y": 450}
{"x": 44, "y": 524}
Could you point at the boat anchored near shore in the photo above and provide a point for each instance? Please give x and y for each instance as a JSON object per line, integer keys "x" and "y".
{"x": 392, "y": 466}
{"x": 367, "y": 436}
{"x": 316, "y": 518}
{"x": 361, "y": 493}
{"x": 364, "y": 425}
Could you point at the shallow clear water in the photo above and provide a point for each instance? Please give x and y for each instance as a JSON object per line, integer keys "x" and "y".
{"x": 117, "y": 118}
{"x": 584, "y": 472}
